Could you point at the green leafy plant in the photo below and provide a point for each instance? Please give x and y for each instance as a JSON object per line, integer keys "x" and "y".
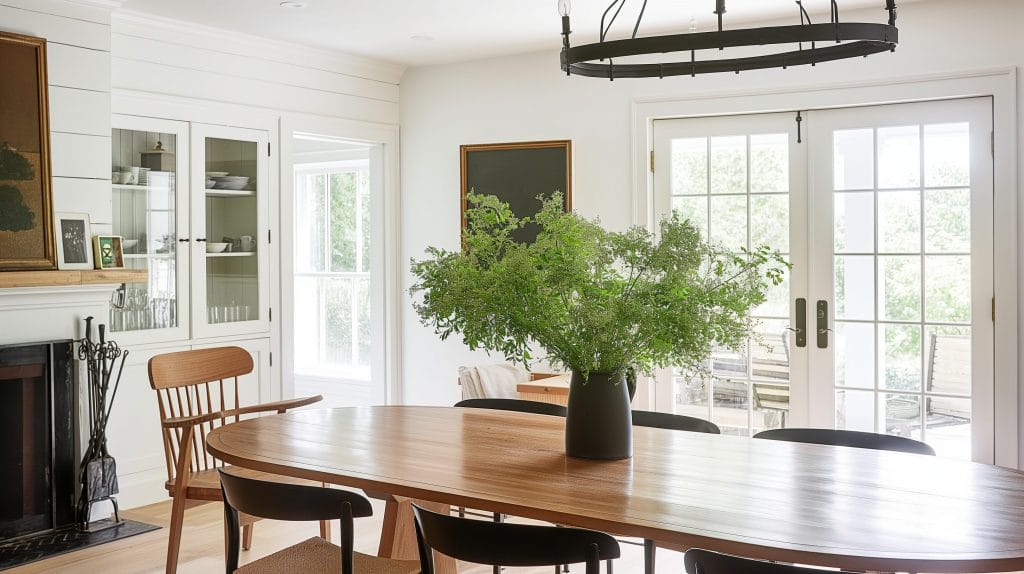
{"x": 596, "y": 301}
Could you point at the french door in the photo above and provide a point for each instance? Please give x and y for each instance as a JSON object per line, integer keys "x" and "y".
{"x": 884, "y": 324}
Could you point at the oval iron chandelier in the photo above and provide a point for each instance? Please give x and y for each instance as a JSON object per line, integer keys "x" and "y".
{"x": 842, "y": 40}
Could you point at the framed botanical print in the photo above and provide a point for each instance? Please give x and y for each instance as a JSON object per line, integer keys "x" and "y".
{"x": 517, "y": 173}
{"x": 26, "y": 211}
{"x": 74, "y": 250}
{"x": 109, "y": 253}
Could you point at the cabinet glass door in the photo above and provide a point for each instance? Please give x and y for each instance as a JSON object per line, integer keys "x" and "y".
{"x": 149, "y": 210}
{"x": 230, "y": 233}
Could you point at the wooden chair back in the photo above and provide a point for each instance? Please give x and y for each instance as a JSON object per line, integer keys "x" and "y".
{"x": 517, "y": 405}
{"x": 856, "y": 439}
{"x": 291, "y": 502}
{"x": 674, "y": 422}
{"x": 502, "y": 544}
{"x": 697, "y": 561}
{"x": 198, "y": 383}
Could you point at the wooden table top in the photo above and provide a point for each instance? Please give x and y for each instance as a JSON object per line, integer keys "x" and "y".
{"x": 812, "y": 504}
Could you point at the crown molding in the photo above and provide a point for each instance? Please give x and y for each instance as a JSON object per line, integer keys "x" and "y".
{"x": 104, "y": 4}
{"x": 175, "y": 31}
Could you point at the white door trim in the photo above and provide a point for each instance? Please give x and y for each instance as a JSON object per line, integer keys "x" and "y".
{"x": 1000, "y": 84}
{"x": 386, "y": 214}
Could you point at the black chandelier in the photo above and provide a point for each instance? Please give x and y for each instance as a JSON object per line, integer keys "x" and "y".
{"x": 842, "y": 40}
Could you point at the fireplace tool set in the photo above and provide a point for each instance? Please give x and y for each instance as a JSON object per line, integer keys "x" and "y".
{"x": 98, "y": 469}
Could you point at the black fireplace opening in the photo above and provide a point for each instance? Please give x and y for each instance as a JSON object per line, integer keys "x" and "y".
{"x": 37, "y": 439}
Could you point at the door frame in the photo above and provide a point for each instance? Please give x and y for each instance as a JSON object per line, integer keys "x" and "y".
{"x": 999, "y": 83}
{"x": 384, "y": 213}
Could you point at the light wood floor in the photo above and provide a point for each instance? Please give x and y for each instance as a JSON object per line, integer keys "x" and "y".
{"x": 202, "y": 547}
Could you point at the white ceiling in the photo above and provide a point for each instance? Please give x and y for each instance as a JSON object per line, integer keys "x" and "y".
{"x": 458, "y": 30}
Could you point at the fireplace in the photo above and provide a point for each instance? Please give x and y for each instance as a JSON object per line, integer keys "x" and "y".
{"x": 37, "y": 438}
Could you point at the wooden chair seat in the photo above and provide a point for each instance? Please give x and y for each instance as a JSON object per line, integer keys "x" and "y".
{"x": 317, "y": 556}
{"x": 205, "y": 484}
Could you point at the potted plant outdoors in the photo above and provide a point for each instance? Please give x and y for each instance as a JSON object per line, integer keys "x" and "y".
{"x": 599, "y": 303}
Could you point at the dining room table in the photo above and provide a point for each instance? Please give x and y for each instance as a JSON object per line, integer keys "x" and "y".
{"x": 840, "y": 507}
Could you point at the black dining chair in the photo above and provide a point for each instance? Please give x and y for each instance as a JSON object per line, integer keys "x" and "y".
{"x": 672, "y": 422}
{"x": 856, "y": 439}
{"x": 295, "y": 502}
{"x": 516, "y": 405}
{"x": 698, "y": 561}
{"x": 500, "y": 544}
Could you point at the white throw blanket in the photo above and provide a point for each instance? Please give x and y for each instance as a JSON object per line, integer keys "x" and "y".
{"x": 492, "y": 381}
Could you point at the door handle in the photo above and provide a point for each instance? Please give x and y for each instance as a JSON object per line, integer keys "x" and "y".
{"x": 822, "y": 323}
{"x": 801, "y": 322}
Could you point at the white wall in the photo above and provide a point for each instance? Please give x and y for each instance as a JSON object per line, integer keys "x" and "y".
{"x": 78, "y": 58}
{"x": 528, "y": 98}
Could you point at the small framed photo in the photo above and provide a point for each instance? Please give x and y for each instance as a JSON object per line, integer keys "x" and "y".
{"x": 73, "y": 249}
{"x": 108, "y": 252}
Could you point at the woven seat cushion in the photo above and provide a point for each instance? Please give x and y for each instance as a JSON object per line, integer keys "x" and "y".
{"x": 317, "y": 556}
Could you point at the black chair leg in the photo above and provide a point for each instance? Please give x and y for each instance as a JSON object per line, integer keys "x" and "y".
{"x": 609, "y": 562}
{"x": 649, "y": 556}
{"x": 497, "y": 518}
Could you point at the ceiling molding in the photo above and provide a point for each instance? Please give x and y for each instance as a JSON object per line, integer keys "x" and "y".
{"x": 198, "y": 35}
{"x": 104, "y": 4}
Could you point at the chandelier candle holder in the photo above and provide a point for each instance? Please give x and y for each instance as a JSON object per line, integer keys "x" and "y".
{"x": 98, "y": 469}
{"x": 822, "y": 42}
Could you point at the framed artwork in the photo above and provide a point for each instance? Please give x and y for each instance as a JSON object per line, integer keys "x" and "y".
{"x": 26, "y": 211}
{"x": 73, "y": 248}
{"x": 109, "y": 253}
{"x": 517, "y": 173}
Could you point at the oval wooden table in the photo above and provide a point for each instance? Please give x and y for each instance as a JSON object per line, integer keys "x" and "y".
{"x": 831, "y": 506}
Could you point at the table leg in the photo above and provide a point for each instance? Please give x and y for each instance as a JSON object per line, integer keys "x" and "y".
{"x": 398, "y": 534}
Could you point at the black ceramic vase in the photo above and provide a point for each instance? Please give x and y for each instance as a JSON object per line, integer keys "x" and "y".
{"x": 600, "y": 422}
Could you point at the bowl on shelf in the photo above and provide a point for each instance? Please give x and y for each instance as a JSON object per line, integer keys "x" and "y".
{"x": 129, "y": 243}
{"x": 210, "y": 183}
{"x": 216, "y": 247}
{"x": 231, "y": 182}
{"x": 216, "y": 173}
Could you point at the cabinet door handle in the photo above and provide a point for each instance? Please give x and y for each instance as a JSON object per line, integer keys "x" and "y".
{"x": 822, "y": 323}
{"x": 201, "y": 239}
{"x": 184, "y": 240}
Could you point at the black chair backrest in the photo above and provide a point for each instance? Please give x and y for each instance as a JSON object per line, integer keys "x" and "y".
{"x": 501, "y": 544}
{"x": 292, "y": 502}
{"x": 697, "y": 561}
{"x": 855, "y": 439}
{"x": 674, "y": 422}
{"x": 517, "y": 405}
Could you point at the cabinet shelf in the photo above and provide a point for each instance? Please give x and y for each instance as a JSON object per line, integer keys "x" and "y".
{"x": 230, "y": 192}
{"x": 232, "y": 254}
{"x": 127, "y": 187}
{"x": 148, "y": 255}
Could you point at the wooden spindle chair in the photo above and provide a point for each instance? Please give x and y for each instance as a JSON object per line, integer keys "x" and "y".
{"x": 198, "y": 391}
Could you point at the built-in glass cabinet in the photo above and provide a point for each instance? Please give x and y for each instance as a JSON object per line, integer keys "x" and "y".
{"x": 191, "y": 202}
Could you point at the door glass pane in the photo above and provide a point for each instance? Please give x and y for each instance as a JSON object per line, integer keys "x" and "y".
{"x": 729, "y": 164}
{"x": 144, "y": 216}
{"x": 748, "y": 388}
{"x": 902, "y": 366}
{"x": 854, "y": 159}
{"x": 232, "y": 187}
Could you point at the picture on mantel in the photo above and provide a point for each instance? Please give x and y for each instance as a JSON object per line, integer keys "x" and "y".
{"x": 26, "y": 211}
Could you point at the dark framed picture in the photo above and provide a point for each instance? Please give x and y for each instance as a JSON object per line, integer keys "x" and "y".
{"x": 517, "y": 173}
{"x": 74, "y": 250}
{"x": 26, "y": 211}
{"x": 109, "y": 253}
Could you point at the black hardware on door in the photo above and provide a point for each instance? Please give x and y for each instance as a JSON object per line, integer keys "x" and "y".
{"x": 823, "y": 330}
{"x": 801, "y": 322}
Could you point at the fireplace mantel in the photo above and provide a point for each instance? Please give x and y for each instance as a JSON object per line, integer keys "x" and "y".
{"x": 12, "y": 279}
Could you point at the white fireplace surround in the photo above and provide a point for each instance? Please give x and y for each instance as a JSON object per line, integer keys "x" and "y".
{"x": 44, "y": 314}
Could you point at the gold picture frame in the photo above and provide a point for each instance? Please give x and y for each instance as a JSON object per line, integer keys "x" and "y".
{"x": 517, "y": 173}
{"x": 108, "y": 252}
{"x": 26, "y": 198}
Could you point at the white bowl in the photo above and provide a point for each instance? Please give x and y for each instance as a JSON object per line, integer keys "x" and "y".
{"x": 129, "y": 243}
{"x": 233, "y": 182}
{"x": 216, "y": 173}
{"x": 216, "y": 247}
